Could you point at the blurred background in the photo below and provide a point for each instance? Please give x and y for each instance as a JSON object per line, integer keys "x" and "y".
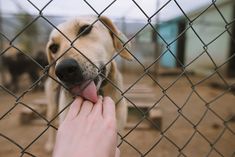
{"x": 179, "y": 87}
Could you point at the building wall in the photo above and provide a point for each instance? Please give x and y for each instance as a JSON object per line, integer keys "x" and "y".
{"x": 208, "y": 26}
{"x": 169, "y": 31}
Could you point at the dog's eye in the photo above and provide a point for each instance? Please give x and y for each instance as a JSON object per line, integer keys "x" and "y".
{"x": 54, "y": 48}
{"x": 84, "y": 30}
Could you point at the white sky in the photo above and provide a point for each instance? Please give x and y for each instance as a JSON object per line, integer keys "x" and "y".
{"x": 121, "y": 8}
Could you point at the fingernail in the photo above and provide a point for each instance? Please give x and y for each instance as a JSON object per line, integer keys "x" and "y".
{"x": 100, "y": 97}
{"x": 78, "y": 97}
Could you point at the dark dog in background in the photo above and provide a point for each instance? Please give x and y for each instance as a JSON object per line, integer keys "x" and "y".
{"x": 21, "y": 64}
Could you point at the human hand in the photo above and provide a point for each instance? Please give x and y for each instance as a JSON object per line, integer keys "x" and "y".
{"x": 89, "y": 130}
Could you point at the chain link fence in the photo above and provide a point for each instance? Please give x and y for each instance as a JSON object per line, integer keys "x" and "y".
{"x": 179, "y": 86}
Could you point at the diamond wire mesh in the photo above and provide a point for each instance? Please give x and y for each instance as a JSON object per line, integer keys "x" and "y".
{"x": 196, "y": 131}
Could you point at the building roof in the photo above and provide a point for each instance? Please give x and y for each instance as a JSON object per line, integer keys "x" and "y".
{"x": 218, "y": 4}
{"x": 198, "y": 11}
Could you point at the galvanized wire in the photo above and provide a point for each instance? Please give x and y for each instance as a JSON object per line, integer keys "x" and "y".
{"x": 146, "y": 72}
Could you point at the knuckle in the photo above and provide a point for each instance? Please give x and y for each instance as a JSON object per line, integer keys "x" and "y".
{"x": 108, "y": 99}
{"x": 110, "y": 124}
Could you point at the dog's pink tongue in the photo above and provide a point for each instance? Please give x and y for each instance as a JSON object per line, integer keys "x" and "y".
{"x": 88, "y": 92}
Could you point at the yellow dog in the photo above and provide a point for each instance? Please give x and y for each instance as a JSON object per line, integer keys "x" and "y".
{"x": 80, "y": 52}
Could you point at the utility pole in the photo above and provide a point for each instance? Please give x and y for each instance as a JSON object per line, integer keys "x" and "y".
{"x": 231, "y": 65}
{"x": 1, "y": 41}
{"x": 156, "y": 46}
{"x": 2, "y": 78}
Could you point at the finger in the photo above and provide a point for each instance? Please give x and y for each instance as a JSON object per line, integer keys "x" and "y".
{"x": 74, "y": 108}
{"x": 117, "y": 153}
{"x": 86, "y": 108}
{"x": 108, "y": 108}
{"x": 97, "y": 109}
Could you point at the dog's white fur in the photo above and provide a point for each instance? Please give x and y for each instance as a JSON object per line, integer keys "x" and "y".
{"x": 98, "y": 46}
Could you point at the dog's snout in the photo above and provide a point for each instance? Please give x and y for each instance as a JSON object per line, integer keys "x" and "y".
{"x": 69, "y": 71}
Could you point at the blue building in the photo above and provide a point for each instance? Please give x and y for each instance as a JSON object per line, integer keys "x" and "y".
{"x": 181, "y": 41}
{"x": 171, "y": 42}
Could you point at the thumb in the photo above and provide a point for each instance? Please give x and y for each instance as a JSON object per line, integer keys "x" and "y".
{"x": 117, "y": 153}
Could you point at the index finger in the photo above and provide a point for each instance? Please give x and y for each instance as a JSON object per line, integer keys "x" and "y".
{"x": 97, "y": 109}
{"x": 74, "y": 108}
{"x": 108, "y": 108}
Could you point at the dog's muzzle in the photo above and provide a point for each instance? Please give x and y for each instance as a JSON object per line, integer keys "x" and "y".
{"x": 70, "y": 74}
{"x": 69, "y": 71}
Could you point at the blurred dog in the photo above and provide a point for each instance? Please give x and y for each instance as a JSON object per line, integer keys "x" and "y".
{"x": 20, "y": 64}
{"x": 80, "y": 55}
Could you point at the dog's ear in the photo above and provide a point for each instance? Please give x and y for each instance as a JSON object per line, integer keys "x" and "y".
{"x": 119, "y": 39}
{"x": 49, "y": 56}
{"x": 50, "y": 61}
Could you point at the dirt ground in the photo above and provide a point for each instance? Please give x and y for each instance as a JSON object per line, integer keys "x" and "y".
{"x": 193, "y": 123}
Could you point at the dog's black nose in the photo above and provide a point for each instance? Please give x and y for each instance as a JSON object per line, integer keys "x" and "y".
{"x": 69, "y": 71}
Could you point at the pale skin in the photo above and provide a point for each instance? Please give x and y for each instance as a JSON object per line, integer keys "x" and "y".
{"x": 89, "y": 130}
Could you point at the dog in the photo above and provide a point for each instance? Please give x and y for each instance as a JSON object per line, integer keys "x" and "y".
{"x": 20, "y": 64}
{"x": 80, "y": 53}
